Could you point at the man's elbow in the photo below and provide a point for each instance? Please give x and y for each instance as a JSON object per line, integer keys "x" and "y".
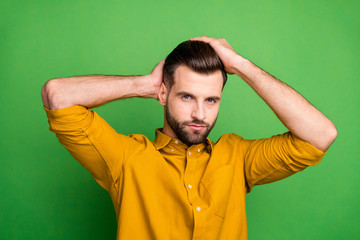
{"x": 50, "y": 94}
{"x": 329, "y": 137}
{"x": 332, "y": 134}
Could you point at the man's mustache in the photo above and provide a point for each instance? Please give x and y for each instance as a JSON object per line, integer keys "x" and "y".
{"x": 196, "y": 122}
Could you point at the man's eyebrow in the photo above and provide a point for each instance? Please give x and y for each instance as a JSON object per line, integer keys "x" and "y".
{"x": 215, "y": 97}
{"x": 183, "y": 93}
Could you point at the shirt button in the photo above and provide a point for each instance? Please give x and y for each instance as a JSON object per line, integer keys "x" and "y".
{"x": 199, "y": 150}
{"x": 190, "y": 186}
{"x": 176, "y": 141}
{"x": 172, "y": 150}
{"x": 198, "y": 209}
{"x": 189, "y": 153}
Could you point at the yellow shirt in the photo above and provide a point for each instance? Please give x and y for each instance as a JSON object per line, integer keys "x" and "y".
{"x": 163, "y": 189}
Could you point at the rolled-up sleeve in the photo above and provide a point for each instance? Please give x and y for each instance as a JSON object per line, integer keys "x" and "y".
{"x": 271, "y": 159}
{"x": 91, "y": 141}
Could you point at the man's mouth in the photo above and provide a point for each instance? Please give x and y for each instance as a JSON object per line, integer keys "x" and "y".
{"x": 196, "y": 127}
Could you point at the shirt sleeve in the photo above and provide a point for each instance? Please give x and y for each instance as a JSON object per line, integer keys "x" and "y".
{"x": 91, "y": 141}
{"x": 271, "y": 159}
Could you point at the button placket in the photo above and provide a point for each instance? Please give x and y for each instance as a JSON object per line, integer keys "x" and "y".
{"x": 188, "y": 178}
{"x": 199, "y": 228}
{"x": 195, "y": 159}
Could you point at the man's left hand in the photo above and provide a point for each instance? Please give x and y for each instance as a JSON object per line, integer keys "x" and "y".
{"x": 223, "y": 49}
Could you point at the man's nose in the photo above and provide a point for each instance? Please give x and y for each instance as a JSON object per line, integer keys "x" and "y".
{"x": 198, "y": 111}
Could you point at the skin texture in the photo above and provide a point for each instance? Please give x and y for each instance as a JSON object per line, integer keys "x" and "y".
{"x": 293, "y": 110}
{"x": 192, "y": 105}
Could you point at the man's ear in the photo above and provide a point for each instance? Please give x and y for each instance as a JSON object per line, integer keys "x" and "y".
{"x": 162, "y": 95}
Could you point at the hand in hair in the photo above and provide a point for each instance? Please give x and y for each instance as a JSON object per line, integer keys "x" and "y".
{"x": 156, "y": 78}
{"x": 223, "y": 49}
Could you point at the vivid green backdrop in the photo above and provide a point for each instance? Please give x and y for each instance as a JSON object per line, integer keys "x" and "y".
{"x": 311, "y": 45}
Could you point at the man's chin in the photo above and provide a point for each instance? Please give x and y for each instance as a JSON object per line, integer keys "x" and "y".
{"x": 195, "y": 137}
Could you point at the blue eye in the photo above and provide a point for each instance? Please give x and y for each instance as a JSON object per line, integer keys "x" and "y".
{"x": 211, "y": 100}
{"x": 186, "y": 97}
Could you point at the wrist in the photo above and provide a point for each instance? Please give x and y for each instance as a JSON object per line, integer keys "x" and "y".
{"x": 240, "y": 65}
{"x": 147, "y": 88}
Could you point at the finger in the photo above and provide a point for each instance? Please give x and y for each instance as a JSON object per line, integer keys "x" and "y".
{"x": 159, "y": 66}
{"x": 203, "y": 38}
{"x": 162, "y": 62}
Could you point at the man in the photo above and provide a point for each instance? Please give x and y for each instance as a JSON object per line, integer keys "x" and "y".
{"x": 182, "y": 185}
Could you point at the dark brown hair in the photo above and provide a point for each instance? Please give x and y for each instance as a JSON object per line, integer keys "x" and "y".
{"x": 197, "y": 55}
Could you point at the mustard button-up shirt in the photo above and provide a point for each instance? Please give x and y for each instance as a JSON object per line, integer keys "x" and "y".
{"x": 163, "y": 189}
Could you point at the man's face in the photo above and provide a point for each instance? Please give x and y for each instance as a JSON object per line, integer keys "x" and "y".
{"x": 192, "y": 105}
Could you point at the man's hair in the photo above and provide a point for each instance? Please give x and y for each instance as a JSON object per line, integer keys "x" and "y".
{"x": 197, "y": 55}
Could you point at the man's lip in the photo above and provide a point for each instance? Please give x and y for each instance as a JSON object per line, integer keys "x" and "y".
{"x": 196, "y": 127}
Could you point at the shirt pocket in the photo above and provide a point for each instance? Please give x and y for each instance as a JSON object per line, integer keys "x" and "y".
{"x": 219, "y": 184}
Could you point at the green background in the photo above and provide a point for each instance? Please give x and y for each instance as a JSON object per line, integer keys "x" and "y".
{"x": 311, "y": 45}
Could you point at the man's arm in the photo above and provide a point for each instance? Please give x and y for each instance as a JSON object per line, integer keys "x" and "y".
{"x": 87, "y": 136}
{"x": 293, "y": 110}
{"x": 96, "y": 90}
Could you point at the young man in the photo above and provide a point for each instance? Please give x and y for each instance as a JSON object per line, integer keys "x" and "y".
{"x": 182, "y": 185}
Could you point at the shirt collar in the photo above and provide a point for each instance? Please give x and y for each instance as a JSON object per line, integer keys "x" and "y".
{"x": 161, "y": 140}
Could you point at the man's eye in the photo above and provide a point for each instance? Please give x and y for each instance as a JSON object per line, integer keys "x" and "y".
{"x": 186, "y": 97}
{"x": 211, "y": 100}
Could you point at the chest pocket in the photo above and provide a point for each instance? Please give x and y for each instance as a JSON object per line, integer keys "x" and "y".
{"x": 219, "y": 184}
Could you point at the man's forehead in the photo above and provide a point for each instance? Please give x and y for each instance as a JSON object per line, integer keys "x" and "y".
{"x": 186, "y": 77}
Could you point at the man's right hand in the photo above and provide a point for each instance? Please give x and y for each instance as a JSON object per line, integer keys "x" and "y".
{"x": 156, "y": 78}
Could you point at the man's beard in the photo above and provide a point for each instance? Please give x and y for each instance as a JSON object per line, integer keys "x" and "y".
{"x": 192, "y": 137}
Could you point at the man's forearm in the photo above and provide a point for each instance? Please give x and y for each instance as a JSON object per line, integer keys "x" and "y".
{"x": 295, "y": 112}
{"x": 93, "y": 90}
{"x": 96, "y": 90}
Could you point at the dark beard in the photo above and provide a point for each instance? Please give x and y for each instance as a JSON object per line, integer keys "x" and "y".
{"x": 195, "y": 137}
